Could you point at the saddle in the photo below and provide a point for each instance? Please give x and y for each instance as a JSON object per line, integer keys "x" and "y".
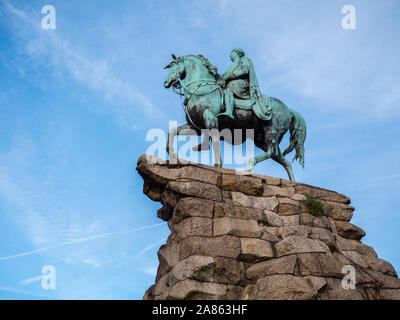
{"x": 261, "y": 110}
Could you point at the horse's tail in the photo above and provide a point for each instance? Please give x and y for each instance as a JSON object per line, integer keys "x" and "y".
{"x": 297, "y": 137}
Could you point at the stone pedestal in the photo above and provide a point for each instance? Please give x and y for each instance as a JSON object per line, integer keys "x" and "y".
{"x": 236, "y": 236}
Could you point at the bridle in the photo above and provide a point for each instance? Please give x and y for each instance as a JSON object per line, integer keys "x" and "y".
{"x": 178, "y": 84}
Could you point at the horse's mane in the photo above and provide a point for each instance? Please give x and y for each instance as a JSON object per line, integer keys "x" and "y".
{"x": 210, "y": 67}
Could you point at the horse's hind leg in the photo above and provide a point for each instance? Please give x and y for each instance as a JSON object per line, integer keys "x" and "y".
{"x": 253, "y": 161}
{"x": 268, "y": 145}
{"x": 280, "y": 158}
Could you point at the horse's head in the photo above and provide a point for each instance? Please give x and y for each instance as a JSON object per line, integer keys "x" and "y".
{"x": 176, "y": 72}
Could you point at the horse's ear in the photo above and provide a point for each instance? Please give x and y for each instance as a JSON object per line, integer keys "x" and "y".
{"x": 167, "y": 66}
{"x": 173, "y": 56}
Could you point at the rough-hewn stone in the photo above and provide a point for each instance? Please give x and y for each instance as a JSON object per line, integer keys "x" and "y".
{"x": 335, "y": 291}
{"x": 192, "y": 207}
{"x": 339, "y": 211}
{"x": 283, "y": 287}
{"x": 222, "y": 246}
{"x": 319, "y": 264}
{"x": 197, "y": 290}
{"x": 349, "y": 230}
{"x": 245, "y": 184}
{"x": 354, "y": 245}
{"x": 272, "y": 219}
{"x": 228, "y": 209}
{"x": 194, "y": 226}
{"x": 278, "y": 191}
{"x": 275, "y": 266}
{"x": 195, "y": 188}
{"x": 324, "y": 194}
{"x": 236, "y": 227}
{"x": 240, "y": 199}
{"x": 247, "y": 236}
{"x": 296, "y": 244}
{"x": 312, "y": 221}
{"x": 255, "y": 249}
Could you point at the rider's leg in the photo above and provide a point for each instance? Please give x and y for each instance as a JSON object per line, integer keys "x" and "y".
{"x": 229, "y": 104}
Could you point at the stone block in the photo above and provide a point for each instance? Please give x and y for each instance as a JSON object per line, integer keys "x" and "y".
{"x": 349, "y": 230}
{"x": 197, "y": 290}
{"x": 289, "y": 221}
{"x": 326, "y": 195}
{"x": 335, "y": 291}
{"x": 194, "y": 226}
{"x": 236, "y": 227}
{"x": 246, "y": 184}
{"x": 296, "y": 244}
{"x": 228, "y": 209}
{"x": 192, "y": 207}
{"x": 272, "y": 219}
{"x": 283, "y": 265}
{"x": 196, "y": 189}
{"x": 255, "y": 249}
{"x": 222, "y": 246}
{"x": 319, "y": 264}
{"x": 283, "y": 287}
{"x": 278, "y": 191}
{"x": 242, "y": 200}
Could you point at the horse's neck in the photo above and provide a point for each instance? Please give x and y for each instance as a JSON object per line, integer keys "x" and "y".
{"x": 196, "y": 71}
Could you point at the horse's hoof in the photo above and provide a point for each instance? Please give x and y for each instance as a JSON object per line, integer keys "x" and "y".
{"x": 249, "y": 166}
{"x": 173, "y": 159}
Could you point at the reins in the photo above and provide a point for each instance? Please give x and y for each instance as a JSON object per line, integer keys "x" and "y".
{"x": 193, "y": 93}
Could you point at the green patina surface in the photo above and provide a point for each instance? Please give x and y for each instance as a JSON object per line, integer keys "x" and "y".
{"x": 232, "y": 101}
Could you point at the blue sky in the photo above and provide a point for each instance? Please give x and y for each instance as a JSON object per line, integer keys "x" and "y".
{"x": 76, "y": 104}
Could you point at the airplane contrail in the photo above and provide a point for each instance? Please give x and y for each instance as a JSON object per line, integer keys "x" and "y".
{"x": 102, "y": 235}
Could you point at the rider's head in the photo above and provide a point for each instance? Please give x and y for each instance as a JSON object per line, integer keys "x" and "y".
{"x": 237, "y": 52}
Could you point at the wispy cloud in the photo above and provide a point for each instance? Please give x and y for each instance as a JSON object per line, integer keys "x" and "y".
{"x": 98, "y": 236}
{"x": 45, "y": 46}
{"x": 30, "y": 280}
{"x": 306, "y": 53}
{"x": 151, "y": 246}
{"x": 12, "y": 290}
{"x": 92, "y": 262}
{"x": 150, "y": 270}
{"x": 371, "y": 181}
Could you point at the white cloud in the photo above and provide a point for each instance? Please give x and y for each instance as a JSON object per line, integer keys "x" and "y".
{"x": 91, "y": 261}
{"x": 30, "y": 280}
{"x": 76, "y": 241}
{"x": 48, "y": 49}
{"x": 150, "y": 270}
{"x": 151, "y": 246}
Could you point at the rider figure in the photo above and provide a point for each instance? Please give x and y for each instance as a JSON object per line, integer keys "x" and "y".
{"x": 239, "y": 81}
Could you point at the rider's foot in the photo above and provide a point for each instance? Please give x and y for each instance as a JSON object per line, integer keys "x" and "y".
{"x": 226, "y": 114}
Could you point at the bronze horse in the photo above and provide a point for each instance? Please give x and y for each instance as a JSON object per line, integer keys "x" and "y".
{"x": 204, "y": 100}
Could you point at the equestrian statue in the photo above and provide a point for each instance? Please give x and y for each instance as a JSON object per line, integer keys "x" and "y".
{"x": 232, "y": 101}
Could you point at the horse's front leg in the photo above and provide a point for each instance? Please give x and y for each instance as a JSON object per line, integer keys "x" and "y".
{"x": 211, "y": 123}
{"x": 184, "y": 129}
